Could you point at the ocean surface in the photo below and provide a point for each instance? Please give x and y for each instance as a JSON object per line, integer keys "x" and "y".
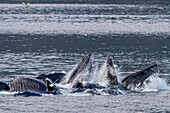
{"x": 47, "y": 38}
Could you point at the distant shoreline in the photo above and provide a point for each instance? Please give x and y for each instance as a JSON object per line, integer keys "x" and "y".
{"x": 87, "y": 1}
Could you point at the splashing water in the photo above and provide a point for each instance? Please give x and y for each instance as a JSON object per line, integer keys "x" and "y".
{"x": 77, "y": 78}
{"x": 156, "y": 83}
{"x": 82, "y": 75}
{"x": 6, "y": 93}
{"x": 102, "y": 74}
{"x": 152, "y": 84}
{"x": 117, "y": 71}
{"x": 94, "y": 75}
{"x": 99, "y": 75}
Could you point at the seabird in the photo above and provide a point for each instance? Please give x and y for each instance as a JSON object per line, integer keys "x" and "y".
{"x": 26, "y": 4}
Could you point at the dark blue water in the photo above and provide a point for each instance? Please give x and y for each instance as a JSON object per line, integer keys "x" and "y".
{"x": 54, "y": 37}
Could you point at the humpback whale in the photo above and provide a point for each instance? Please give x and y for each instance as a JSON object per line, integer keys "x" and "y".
{"x": 137, "y": 79}
{"x": 44, "y": 84}
{"x": 27, "y": 94}
{"x": 111, "y": 73}
{"x": 94, "y": 89}
{"x": 80, "y": 67}
{"x": 23, "y": 84}
{"x": 91, "y": 87}
{"x": 59, "y": 77}
{"x": 4, "y": 86}
{"x": 55, "y": 77}
{"x": 87, "y": 85}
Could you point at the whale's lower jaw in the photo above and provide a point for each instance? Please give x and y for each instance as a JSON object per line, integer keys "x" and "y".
{"x": 80, "y": 67}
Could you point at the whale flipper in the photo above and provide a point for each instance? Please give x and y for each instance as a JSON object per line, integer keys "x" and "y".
{"x": 23, "y": 84}
{"x": 80, "y": 67}
{"x": 4, "y": 86}
{"x": 137, "y": 79}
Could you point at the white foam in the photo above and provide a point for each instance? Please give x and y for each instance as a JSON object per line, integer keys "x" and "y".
{"x": 117, "y": 71}
{"x": 79, "y": 94}
{"x": 156, "y": 83}
{"x": 7, "y": 93}
{"x": 63, "y": 86}
{"x": 102, "y": 74}
{"x": 152, "y": 84}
